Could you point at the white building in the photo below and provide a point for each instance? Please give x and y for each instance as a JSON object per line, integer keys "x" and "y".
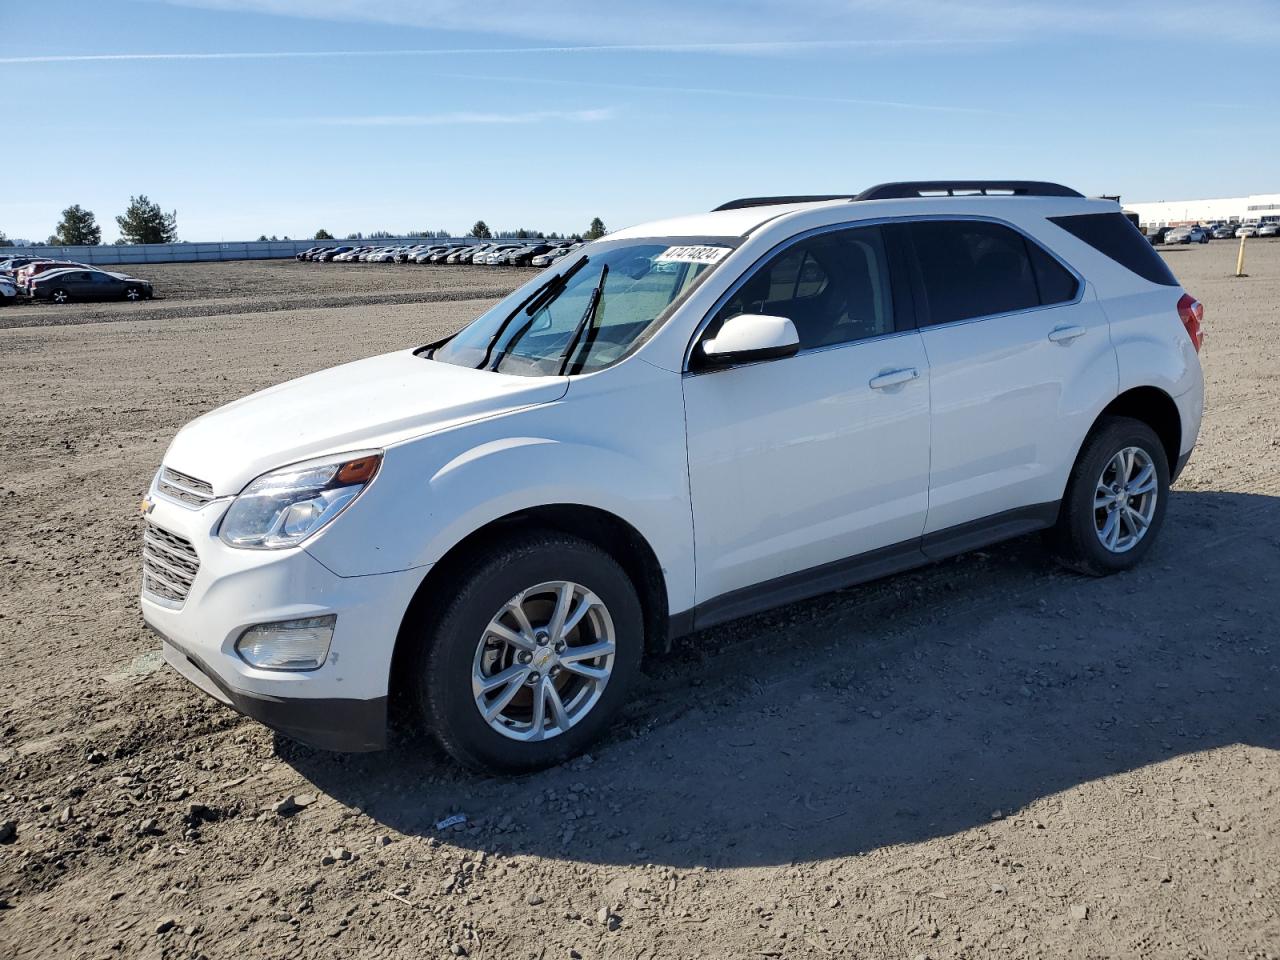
{"x": 1166, "y": 213}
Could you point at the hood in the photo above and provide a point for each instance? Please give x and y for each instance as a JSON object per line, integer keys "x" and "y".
{"x": 369, "y": 403}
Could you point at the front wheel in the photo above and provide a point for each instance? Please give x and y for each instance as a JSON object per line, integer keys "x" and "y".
{"x": 132, "y": 294}
{"x": 532, "y": 654}
{"x": 60, "y": 296}
{"x": 1115, "y": 501}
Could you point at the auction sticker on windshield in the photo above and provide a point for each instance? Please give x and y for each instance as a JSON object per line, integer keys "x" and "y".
{"x": 694, "y": 254}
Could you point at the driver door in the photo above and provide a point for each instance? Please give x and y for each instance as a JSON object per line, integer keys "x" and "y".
{"x": 811, "y": 471}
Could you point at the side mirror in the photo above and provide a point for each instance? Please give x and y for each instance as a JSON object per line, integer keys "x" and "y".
{"x": 749, "y": 337}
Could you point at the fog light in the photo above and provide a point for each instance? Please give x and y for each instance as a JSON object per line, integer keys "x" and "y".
{"x": 288, "y": 644}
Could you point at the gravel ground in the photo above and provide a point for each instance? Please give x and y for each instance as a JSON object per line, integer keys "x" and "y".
{"x": 987, "y": 757}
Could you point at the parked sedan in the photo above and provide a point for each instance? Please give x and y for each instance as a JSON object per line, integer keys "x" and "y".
{"x": 61, "y": 286}
{"x": 1187, "y": 235}
{"x": 1269, "y": 230}
{"x": 32, "y": 270}
{"x": 1224, "y": 231}
{"x": 8, "y": 292}
{"x": 11, "y": 265}
{"x": 1247, "y": 230}
{"x": 327, "y": 256}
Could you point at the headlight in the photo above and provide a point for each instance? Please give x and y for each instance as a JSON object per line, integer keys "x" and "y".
{"x": 284, "y": 507}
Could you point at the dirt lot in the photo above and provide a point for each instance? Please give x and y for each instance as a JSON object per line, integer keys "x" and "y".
{"x": 185, "y": 290}
{"x": 989, "y": 757}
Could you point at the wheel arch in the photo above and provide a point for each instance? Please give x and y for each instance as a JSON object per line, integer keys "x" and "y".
{"x": 1156, "y": 409}
{"x": 604, "y": 529}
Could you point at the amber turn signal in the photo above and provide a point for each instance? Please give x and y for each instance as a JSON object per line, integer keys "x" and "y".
{"x": 358, "y": 471}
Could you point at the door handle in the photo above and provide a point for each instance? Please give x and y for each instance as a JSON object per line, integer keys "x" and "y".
{"x": 893, "y": 378}
{"x": 1066, "y": 334}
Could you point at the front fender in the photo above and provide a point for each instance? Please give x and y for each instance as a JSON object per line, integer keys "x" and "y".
{"x": 433, "y": 492}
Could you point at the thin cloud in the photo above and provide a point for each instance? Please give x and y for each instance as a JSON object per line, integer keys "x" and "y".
{"x": 724, "y": 92}
{"x": 463, "y": 117}
{"x": 763, "y": 47}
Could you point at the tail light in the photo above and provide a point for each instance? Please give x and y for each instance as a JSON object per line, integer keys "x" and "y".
{"x": 1191, "y": 311}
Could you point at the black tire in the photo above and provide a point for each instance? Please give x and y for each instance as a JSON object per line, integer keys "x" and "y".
{"x": 1075, "y": 539}
{"x": 447, "y": 640}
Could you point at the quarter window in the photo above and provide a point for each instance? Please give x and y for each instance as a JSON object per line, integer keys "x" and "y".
{"x": 834, "y": 287}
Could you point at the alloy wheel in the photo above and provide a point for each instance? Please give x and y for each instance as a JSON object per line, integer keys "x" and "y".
{"x": 1124, "y": 500}
{"x": 543, "y": 661}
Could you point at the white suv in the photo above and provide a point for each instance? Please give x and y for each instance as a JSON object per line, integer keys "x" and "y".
{"x": 683, "y": 423}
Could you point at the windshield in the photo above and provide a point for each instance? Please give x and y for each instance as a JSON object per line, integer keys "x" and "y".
{"x": 587, "y": 311}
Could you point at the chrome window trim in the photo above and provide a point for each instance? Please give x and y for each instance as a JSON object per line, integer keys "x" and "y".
{"x": 783, "y": 245}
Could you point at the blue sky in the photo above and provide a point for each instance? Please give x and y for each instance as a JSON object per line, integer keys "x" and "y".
{"x": 284, "y": 116}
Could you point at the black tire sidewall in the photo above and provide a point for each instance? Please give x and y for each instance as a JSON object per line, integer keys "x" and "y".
{"x": 1082, "y": 540}
{"x": 444, "y": 672}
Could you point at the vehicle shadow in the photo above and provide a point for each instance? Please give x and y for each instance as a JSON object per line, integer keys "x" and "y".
{"x": 890, "y": 713}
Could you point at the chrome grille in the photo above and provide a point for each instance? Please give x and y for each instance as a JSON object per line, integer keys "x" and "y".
{"x": 169, "y": 565}
{"x": 183, "y": 488}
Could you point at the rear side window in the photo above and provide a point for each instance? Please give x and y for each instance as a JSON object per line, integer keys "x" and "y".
{"x": 1115, "y": 236}
{"x": 971, "y": 268}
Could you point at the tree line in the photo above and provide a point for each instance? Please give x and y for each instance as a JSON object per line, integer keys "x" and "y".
{"x": 145, "y": 222}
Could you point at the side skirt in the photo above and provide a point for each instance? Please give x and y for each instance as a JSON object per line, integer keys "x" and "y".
{"x": 865, "y": 567}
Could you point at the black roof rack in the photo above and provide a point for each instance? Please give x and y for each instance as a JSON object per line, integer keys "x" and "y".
{"x": 774, "y": 201}
{"x": 907, "y": 189}
{"x": 924, "y": 188}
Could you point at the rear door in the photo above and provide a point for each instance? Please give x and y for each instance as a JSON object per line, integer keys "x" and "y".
{"x": 1019, "y": 355}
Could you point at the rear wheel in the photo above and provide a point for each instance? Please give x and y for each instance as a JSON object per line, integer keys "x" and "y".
{"x": 532, "y": 654}
{"x": 60, "y": 296}
{"x": 1116, "y": 499}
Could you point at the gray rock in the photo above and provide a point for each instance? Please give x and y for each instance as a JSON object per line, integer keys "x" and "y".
{"x": 534, "y": 900}
{"x": 458, "y": 950}
{"x": 1079, "y": 911}
{"x": 165, "y": 925}
{"x": 286, "y": 806}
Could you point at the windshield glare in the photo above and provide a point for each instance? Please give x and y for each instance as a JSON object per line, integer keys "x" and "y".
{"x": 558, "y": 324}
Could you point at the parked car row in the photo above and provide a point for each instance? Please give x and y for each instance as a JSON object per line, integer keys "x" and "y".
{"x": 506, "y": 253}
{"x": 61, "y": 281}
{"x": 1204, "y": 232}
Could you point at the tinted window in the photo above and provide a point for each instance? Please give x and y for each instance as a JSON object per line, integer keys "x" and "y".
{"x": 972, "y": 269}
{"x": 1056, "y": 283}
{"x": 834, "y": 287}
{"x": 1113, "y": 235}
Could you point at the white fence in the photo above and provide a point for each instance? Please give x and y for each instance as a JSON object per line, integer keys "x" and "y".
{"x": 189, "y": 252}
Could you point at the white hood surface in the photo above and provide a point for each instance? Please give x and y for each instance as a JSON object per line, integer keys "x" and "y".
{"x": 368, "y": 403}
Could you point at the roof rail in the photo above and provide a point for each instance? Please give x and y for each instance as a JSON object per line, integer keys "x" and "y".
{"x": 908, "y": 189}
{"x": 925, "y": 188}
{"x": 745, "y": 202}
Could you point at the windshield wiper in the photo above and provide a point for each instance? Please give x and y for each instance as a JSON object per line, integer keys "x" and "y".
{"x": 586, "y": 322}
{"x": 543, "y": 295}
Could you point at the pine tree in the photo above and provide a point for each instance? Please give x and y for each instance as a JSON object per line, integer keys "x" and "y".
{"x": 77, "y": 228}
{"x": 145, "y": 222}
{"x": 481, "y": 231}
{"x": 596, "y": 230}
{"x": 322, "y": 234}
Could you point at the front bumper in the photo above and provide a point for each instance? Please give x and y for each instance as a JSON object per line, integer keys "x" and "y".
{"x": 342, "y": 705}
{"x": 329, "y": 723}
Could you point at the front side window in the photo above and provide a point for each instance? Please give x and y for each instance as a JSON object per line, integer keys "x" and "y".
{"x": 587, "y": 311}
{"x": 971, "y": 268}
{"x": 833, "y": 286}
